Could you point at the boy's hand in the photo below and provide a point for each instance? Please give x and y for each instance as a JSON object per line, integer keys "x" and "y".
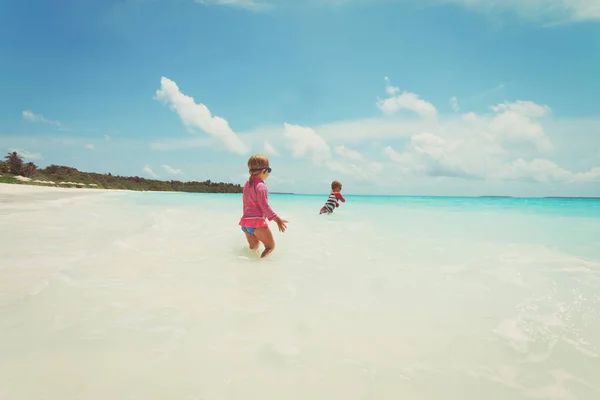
{"x": 281, "y": 224}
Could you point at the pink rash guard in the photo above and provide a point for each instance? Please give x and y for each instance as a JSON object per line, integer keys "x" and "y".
{"x": 256, "y": 204}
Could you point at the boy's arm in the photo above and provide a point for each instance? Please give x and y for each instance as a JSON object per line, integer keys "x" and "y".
{"x": 339, "y": 196}
{"x": 263, "y": 202}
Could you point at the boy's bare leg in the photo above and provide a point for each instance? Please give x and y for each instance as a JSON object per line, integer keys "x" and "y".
{"x": 266, "y": 237}
{"x": 252, "y": 241}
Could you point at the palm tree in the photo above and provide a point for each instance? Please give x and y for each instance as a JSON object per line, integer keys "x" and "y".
{"x": 14, "y": 162}
{"x": 29, "y": 169}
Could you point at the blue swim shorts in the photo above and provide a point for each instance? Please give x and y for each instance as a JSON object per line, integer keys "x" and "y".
{"x": 248, "y": 230}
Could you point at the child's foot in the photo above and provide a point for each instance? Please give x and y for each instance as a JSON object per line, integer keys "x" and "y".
{"x": 266, "y": 252}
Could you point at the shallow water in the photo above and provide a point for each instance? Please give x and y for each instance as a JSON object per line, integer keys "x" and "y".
{"x": 155, "y": 296}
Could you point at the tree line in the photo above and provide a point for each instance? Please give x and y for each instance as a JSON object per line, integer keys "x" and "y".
{"x": 13, "y": 164}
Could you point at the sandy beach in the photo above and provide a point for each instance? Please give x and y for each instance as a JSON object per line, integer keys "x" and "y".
{"x": 12, "y": 193}
{"x": 14, "y": 189}
{"x": 153, "y": 296}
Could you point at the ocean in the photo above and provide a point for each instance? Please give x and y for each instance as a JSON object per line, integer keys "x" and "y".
{"x": 156, "y": 296}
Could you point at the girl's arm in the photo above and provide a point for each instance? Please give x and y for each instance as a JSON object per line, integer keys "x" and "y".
{"x": 263, "y": 202}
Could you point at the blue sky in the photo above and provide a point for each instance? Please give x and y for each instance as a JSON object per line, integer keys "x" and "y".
{"x": 452, "y": 97}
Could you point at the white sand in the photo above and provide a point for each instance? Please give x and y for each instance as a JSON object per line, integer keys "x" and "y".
{"x": 153, "y": 296}
{"x": 21, "y": 189}
{"x": 11, "y": 193}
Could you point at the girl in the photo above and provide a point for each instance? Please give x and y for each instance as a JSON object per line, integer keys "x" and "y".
{"x": 256, "y": 207}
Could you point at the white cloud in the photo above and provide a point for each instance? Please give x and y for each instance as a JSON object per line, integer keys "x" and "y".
{"x": 373, "y": 129}
{"x": 593, "y": 175}
{"x": 198, "y": 116}
{"x": 90, "y": 146}
{"x": 487, "y": 147}
{"x": 149, "y": 171}
{"x": 107, "y": 138}
{"x": 270, "y": 150}
{"x": 537, "y": 170}
{"x": 278, "y": 179}
{"x": 513, "y": 124}
{"x": 172, "y": 171}
{"x": 544, "y": 171}
{"x": 553, "y": 10}
{"x": 246, "y": 4}
{"x": 406, "y": 100}
{"x": 509, "y": 142}
{"x": 498, "y": 151}
{"x": 27, "y": 155}
{"x": 306, "y": 143}
{"x": 345, "y": 152}
{"x": 431, "y": 155}
{"x": 516, "y": 123}
{"x": 28, "y": 115}
{"x": 454, "y": 104}
{"x": 525, "y": 108}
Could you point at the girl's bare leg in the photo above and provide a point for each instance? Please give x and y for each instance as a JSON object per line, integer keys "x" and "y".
{"x": 266, "y": 237}
{"x": 252, "y": 241}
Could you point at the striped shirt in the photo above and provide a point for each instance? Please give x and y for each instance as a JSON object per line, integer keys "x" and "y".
{"x": 256, "y": 204}
{"x": 332, "y": 201}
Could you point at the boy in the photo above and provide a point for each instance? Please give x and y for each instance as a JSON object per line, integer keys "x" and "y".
{"x": 334, "y": 196}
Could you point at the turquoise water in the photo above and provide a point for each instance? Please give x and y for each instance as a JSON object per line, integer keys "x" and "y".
{"x": 155, "y": 295}
{"x": 567, "y": 224}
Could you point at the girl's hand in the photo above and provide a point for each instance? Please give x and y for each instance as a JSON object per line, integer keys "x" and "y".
{"x": 281, "y": 224}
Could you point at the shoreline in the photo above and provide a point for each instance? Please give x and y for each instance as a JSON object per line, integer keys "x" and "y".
{"x": 20, "y": 188}
{"x": 26, "y": 188}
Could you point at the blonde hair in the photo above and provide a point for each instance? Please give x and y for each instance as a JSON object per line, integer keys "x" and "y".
{"x": 336, "y": 184}
{"x": 257, "y": 163}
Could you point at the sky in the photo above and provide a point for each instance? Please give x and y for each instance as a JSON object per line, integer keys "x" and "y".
{"x": 400, "y": 97}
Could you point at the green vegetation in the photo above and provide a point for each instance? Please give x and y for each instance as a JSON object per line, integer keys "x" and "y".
{"x": 63, "y": 176}
{"x": 8, "y": 178}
